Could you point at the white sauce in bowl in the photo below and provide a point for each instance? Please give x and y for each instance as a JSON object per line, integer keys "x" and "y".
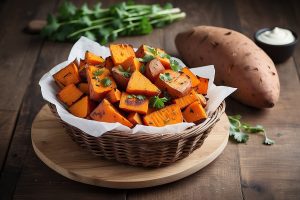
{"x": 277, "y": 36}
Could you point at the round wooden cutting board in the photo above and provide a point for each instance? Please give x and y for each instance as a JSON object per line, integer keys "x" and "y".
{"x": 56, "y": 149}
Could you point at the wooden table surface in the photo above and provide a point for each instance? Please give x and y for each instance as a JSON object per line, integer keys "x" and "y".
{"x": 243, "y": 171}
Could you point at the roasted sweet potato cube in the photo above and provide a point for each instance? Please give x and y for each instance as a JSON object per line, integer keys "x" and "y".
{"x": 153, "y": 69}
{"x": 68, "y": 75}
{"x": 139, "y": 84}
{"x": 164, "y": 61}
{"x": 133, "y": 63}
{"x": 69, "y": 94}
{"x": 113, "y": 96}
{"x": 100, "y": 82}
{"x": 109, "y": 64}
{"x": 106, "y": 112}
{"x": 134, "y": 103}
{"x": 84, "y": 87}
{"x": 134, "y": 118}
{"x": 120, "y": 76}
{"x": 142, "y": 51}
{"x": 183, "y": 102}
{"x": 93, "y": 59}
{"x": 176, "y": 84}
{"x": 83, "y": 107}
{"x": 120, "y": 53}
{"x": 195, "y": 81}
{"x": 165, "y": 116}
{"x": 194, "y": 113}
{"x": 202, "y": 87}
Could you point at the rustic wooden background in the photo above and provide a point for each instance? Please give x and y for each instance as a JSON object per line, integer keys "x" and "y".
{"x": 244, "y": 171}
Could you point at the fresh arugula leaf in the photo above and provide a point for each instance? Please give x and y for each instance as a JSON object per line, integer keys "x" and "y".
{"x": 106, "y": 82}
{"x": 158, "y": 103}
{"x": 165, "y": 77}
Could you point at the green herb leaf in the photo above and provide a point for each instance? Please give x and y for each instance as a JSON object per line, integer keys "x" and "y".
{"x": 158, "y": 103}
{"x": 98, "y": 72}
{"x": 125, "y": 73}
{"x": 239, "y": 131}
{"x": 146, "y": 58}
{"x": 106, "y": 82}
{"x": 139, "y": 96}
{"x": 165, "y": 77}
{"x": 142, "y": 69}
{"x": 175, "y": 65}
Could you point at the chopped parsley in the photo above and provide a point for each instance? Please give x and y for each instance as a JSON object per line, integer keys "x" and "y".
{"x": 165, "y": 77}
{"x": 158, "y": 103}
{"x": 106, "y": 82}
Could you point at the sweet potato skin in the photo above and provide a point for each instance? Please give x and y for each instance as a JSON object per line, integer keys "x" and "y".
{"x": 119, "y": 77}
{"x": 179, "y": 86}
{"x": 238, "y": 62}
{"x": 153, "y": 69}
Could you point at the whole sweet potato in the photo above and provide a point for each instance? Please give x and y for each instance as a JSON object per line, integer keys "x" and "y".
{"x": 238, "y": 62}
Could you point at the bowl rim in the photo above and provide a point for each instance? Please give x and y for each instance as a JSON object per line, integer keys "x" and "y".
{"x": 261, "y": 30}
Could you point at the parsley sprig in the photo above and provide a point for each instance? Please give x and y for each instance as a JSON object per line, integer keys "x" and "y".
{"x": 107, "y": 24}
{"x": 240, "y": 131}
{"x": 106, "y": 82}
{"x": 165, "y": 77}
{"x": 158, "y": 103}
{"x": 125, "y": 73}
{"x": 139, "y": 97}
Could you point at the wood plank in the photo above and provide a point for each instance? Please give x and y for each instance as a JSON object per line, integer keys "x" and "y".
{"x": 18, "y": 54}
{"x": 221, "y": 179}
{"x": 272, "y": 172}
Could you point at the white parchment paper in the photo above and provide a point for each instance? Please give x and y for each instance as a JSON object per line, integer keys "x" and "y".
{"x": 49, "y": 89}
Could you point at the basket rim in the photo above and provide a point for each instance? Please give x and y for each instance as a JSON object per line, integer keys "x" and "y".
{"x": 155, "y": 137}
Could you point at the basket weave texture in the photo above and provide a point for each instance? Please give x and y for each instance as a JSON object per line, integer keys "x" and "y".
{"x": 141, "y": 149}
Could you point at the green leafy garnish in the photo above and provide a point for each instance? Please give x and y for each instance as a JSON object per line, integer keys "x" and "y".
{"x": 98, "y": 72}
{"x": 165, "y": 77}
{"x": 139, "y": 97}
{"x": 106, "y": 82}
{"x": 175, "y": 65}
{"x": 142, "y": 69}
{"x": 146, "y": 58}
{"x": 125, "y": 73}
{"x": 107, "y": 24}
{"x": 239, "y": 131}
{"x": 158, "y": 103}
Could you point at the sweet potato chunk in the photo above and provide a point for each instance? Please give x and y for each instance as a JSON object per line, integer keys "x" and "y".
{"x": 84, "y": 87}
{"x": 153, "y": 69}
{"x": 139, "y": 84}
{"x": 109, "y": 64}
{"x": 100, "y": 82}
{"x": 156, "y": 52}
{"x": 202, "y": 87}
{"x": 194, "y": 113}
{"x": 113, "y": 96}
{"x": 165, "y": 116}
{"x": 176, "y": 84}
{"x": 69, "y": 94}
{"x": 133, "y": 63}
{"x": 120, "y": 76}
{"x": 106, "y": 112}
{"x": 67, "y": 75}
{"x": 134, "y": 118}
{"x": 93, "y": 59}
{"x": 195, "y": 81}
{"x": 82, "y": 108}
{"x": 82, "y": 69}
{"x": 183, "y": 102}
{"x": 134, "y": 103}
{"x": 120, "y": 53}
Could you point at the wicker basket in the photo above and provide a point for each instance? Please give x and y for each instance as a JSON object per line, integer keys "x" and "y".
{"x": 147, "y": 150}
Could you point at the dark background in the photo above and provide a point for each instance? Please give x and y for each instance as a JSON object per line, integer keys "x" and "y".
{"x": 251, "y": 171}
